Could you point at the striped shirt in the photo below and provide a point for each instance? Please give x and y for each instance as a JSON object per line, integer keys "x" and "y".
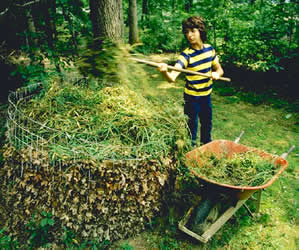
{"x": 201, "y": 61}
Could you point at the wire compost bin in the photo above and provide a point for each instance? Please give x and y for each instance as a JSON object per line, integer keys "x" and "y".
{"x": 25, "y": 132}
{"x": 91, "y": 186}
{"x": 238, "y": 195}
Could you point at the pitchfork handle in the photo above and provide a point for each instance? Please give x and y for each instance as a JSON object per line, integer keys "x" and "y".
{"x": 179, "y": 69}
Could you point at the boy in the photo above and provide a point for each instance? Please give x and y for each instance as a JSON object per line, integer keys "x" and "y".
{"x": 202, "y": 58}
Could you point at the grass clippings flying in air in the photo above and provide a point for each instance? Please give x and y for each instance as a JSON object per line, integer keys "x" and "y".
{"x": 104, "y": 119}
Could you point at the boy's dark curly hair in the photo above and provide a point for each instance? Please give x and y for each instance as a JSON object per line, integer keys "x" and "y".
{"x": 195, "y": 22}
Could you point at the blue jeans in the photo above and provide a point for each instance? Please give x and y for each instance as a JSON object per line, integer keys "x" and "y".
{"x": 199, "y": 107}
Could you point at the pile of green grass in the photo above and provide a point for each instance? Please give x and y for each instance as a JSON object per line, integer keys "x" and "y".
{"x": 103, "y": 122}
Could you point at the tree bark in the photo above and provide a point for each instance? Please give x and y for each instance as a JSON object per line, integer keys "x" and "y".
{"x": 107, "y": 19}
{"x": 71, "y": 29}
{"x": 32, "y": 40}
{"x": 188, "y": 5}
{"x": 48, "y": 11}
{"x": 133, "y": 22}
{"x": 144, "y": 16}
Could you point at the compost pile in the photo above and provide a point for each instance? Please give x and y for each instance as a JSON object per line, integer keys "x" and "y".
{"x": 102, "y": 166}
{"x": 243, "y": 169}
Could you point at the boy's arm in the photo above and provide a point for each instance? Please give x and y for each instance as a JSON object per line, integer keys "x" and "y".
{"x": 217, "y": 70}
{"x": 170, "y": 76}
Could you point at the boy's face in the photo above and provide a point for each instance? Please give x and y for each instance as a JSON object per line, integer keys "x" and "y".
{"x": 193, "y": 36}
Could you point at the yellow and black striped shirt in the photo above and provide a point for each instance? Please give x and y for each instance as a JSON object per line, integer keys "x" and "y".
{"x": 201, "y": 61}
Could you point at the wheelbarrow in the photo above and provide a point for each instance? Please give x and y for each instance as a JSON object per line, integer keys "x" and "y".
{"x": 235, "y": 196}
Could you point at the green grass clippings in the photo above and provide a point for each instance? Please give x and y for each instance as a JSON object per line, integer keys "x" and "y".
{"x": 244, "y": 169}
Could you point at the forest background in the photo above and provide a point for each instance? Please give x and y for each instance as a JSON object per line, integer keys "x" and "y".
{"x": 259, "y": 37}
{"x": 257, "y": 41}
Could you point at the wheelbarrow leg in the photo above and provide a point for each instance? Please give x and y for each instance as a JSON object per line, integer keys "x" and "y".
{"x": 258, "y": 202}
{"x": 248, "y": 210}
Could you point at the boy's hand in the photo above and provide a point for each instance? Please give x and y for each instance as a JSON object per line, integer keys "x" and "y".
{"x": 215, "y": 75}
{"x": 162, "y": 67}
{"x": 170, "y": 76}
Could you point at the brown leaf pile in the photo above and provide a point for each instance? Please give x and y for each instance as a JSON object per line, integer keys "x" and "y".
{"x": 107, "y": 200}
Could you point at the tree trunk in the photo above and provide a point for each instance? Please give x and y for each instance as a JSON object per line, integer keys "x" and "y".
{"x": 144, "y": 17}
{"x": 48, "y": 11}
{"x": 188, "y": 5}
{"x": 71, "y": 29}
{"x": 32, "y": 40}
{"x": 215, "y": 36}
{"x": 107, "y": 19}
{"x": 133, "y": 22}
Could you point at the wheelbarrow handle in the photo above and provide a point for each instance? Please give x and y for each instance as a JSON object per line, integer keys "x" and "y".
{"x": 284, "y": 155}
{"x": 238, "y": 138}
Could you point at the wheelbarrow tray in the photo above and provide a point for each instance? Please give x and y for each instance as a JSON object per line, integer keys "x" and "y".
{"x": 219, "y": 147}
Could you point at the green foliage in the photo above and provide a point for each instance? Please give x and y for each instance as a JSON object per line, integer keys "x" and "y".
{"x": 236, "y": 93}
{"x": 259, "y": 36}
{"x": 166, "y": 15}
{"x": 256, "y": 36}
{"x": 168, "y": 38}
{"x": 6, "y": 242}
{"x": 40, "y": 231}
{"x": 125, "y": 246}
{"x": 69, "y": 238}
{"x": 93, "y": 244}
{"x": 30, "y": 72}
{"x": 168, "y": 243}
{"x": 69, "y": 241}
